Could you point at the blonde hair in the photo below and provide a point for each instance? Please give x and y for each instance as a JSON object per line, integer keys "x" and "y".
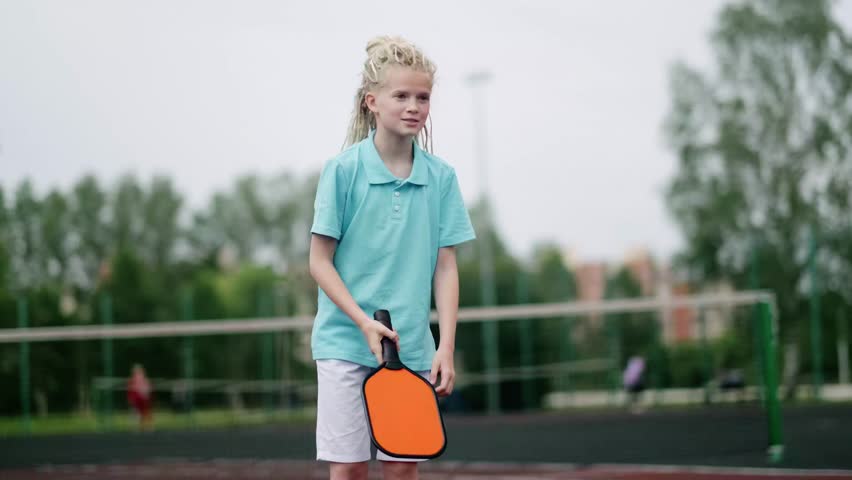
{"x": 383, "y": 53}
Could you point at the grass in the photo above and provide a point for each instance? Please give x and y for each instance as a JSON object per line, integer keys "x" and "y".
{"x": 124, "y": 421}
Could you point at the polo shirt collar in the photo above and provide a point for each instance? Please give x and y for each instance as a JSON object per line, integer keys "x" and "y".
{"x": 378, "y": 173}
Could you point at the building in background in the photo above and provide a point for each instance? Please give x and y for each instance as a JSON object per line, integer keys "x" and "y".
{"x": 680, "y": 324}
{"x": 641, "y": 266}
{"x": 683, "y": 324}
{"x": 591, "y": 281}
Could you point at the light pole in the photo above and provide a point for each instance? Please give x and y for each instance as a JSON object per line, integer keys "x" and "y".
{"x": 488, "y": 291}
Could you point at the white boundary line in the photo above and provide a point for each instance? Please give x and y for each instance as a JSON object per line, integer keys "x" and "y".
{"x": 703, "y": 469}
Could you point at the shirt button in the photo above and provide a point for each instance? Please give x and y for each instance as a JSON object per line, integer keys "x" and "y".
{"x": 395, "y": 194}
{"x": 398, "y": 182}
{"x": 396, "y": 208}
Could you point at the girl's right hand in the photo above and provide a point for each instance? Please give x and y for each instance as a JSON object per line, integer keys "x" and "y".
{"x": 374, "y": 332}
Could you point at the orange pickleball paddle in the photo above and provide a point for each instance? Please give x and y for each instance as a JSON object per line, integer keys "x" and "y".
{"x": 402, "y": 407}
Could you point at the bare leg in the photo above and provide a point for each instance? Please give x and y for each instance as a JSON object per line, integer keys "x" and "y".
{"x": 348, "y": 471}
{"x": 399, "y": 470}
{"x": 147, "y": 421}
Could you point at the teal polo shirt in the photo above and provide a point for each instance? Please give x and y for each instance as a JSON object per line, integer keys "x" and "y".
{"x": 389, "y": 231}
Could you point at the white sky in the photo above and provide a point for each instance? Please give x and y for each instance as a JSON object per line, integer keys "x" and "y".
{"x": 207, "y": 90}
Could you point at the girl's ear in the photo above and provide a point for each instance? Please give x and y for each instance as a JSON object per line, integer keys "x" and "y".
{"x": 370, "y": 101}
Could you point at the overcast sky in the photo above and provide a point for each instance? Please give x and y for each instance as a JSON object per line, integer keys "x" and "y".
{"x": 204, "y": 91}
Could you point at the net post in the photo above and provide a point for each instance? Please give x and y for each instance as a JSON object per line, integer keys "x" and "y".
{"x": 769, "y": 334}
{"x": 657, "y": 357}
{"x": 96, "y": 400}
{"x": 490, "y": 338}
{"x": 842, "y": 348}
{"x": 565, "y": 355}
{"x": 188, "y": 352}
{"x": 706, "y": 355}
{"x": 264, "y": 309}
{"x": 106, "y": 358}
{"x": 283, "y": 345}
{"x": 24, "y": 373}
{"x": 615, "y": 353}
{"x": 754, "y": 283}
{"x": 816, "y": 320}
{"x": 526, "y": 340}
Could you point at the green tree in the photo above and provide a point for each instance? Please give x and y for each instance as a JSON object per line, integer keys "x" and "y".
{"x": 54, "y": 234}
{"x": 552, "y": 280}
{"x": 89, "y": 233}
{"x": 763, "y": 150}
{"x": 5, "y": 243}
{"x": 265, "y": 220}
{"x": 25, "y": 245}
{"x": 161, "y": 212}
{"x": 88, "y": 226}
{"x": 8, "y": 356}
{"x": 127, "y": 217}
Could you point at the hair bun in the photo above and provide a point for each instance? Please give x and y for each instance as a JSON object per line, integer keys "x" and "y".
{"x": 376, "y": 43}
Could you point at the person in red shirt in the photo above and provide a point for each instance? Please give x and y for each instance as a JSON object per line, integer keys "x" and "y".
{"x": 139, "y": 396}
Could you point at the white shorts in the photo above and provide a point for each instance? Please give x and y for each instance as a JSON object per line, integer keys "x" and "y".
{"x": 343, "y": 435}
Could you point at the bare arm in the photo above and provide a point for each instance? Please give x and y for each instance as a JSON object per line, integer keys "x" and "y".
{"x": 321, "y": 263}
{"x": 446, "y": 287}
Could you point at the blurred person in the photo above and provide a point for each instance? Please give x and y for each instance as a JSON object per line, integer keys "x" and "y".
{"x": 732, "y": 381}
{"x": 634, "y": 382}
{"x": 387, "y": 217}
{"x": 139, "y": 396}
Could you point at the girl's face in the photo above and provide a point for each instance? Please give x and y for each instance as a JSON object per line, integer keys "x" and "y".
{"x": 401, "y": 104}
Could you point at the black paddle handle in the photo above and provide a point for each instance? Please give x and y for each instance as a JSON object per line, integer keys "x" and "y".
{"x": 389, "y": 353}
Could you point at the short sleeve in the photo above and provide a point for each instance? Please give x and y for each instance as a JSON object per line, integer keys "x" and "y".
{"x": 330, "y": 200}
{"x": 454, "y": 227}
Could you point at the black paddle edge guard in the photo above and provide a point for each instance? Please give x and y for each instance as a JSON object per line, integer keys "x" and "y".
{"x": 370, "y": 422}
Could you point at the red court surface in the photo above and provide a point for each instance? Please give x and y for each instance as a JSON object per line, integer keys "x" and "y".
{"x": 304, "y": 470}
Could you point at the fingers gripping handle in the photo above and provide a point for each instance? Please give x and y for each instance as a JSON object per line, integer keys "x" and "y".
{"x": 389, "y": 353}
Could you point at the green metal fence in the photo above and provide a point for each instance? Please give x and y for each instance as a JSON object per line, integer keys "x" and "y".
{"x": 545, "y": 354}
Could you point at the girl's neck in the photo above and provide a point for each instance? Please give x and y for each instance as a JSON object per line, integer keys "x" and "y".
{"x": 396, "y": 151}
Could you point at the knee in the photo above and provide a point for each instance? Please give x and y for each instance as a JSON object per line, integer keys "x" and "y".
{"x": 348, "y": 471}
{"x": 399, "y": 470}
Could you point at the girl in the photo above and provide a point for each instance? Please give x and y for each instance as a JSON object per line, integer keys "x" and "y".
{"x": 387, "y": 216}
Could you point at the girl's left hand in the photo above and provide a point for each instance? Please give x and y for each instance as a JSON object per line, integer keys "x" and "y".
{"x": 443, "y": 364}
